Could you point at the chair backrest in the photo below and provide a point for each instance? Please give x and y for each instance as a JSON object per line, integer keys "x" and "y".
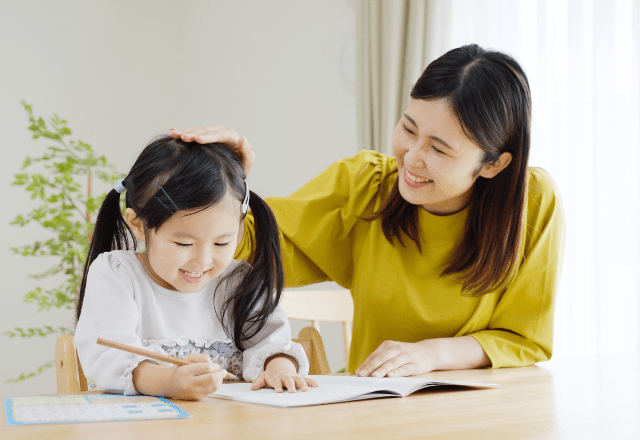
{"x": 71, "y": 379}
{"x": 321, "y": 305}
{"x": 311, "y": 341}
{"x": 69, "y": 373}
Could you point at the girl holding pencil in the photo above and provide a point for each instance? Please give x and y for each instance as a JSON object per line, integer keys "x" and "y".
{"x": 184, "y": 295}
{"x": 452, "y": 248}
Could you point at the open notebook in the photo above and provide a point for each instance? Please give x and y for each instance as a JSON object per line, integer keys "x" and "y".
{"x": 334, "y": 389}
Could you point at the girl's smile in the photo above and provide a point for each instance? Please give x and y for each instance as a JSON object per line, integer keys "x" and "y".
{"x": 192, "y": 277}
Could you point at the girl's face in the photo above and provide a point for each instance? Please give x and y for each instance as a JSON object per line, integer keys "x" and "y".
{"x": 437, "y": 163}
{"x": 189, "y": 250}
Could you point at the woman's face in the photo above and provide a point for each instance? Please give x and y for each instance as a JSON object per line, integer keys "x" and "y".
{"x": 437, "y": 163}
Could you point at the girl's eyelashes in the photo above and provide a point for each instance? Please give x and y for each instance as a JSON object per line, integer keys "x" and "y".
{"x": 437, "y": 151}
{"x": 407, "y": 129}
{"x": 189, "y": 244}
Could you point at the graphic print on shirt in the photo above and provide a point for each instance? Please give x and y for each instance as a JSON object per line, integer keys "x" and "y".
{"x": 221, "y": 352}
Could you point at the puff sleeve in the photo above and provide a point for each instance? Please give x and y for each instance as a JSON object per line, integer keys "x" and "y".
{"x": 322, "y": 214}
{"x": 109, "y": 311}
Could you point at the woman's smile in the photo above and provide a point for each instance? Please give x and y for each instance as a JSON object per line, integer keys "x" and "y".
{"x": 415, "y": 181}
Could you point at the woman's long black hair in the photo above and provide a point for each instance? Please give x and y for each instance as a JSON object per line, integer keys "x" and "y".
{"x": 172, "y": 175}
{"x": 489, "y": 94}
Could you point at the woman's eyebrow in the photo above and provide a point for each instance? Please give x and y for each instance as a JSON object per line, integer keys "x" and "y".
{"x": 411, "y": 120}
{"x": 437, "y": 139}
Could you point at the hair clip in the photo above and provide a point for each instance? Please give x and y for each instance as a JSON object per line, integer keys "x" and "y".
{"x": 245, "y": 202}
{"x": 165, "y": 193}
{"x": 118, "y": 185}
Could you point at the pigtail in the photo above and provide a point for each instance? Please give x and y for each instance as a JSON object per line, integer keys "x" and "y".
{"x": 110, "y": 233}
{"x": 257, "y": 295}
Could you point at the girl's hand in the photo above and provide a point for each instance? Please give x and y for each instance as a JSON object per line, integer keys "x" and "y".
{"x": 195, "y": 381}
{"x": 280, "y": 371}
{"x": 393, "y": 358}
{"x": 228, "y": 136}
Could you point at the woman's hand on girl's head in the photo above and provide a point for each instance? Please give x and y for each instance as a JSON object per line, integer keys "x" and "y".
{"x": 197, "y": 380}
{"x": 393, "y": 358}
{"x": 281, "y": 372}
{"x": 228, "y": 136}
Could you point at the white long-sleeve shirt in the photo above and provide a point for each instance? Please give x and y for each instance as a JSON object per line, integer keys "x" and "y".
{"x": 122, "y": 304}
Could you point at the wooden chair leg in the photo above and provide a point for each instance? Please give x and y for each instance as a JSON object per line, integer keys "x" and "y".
{"x": 81, "y": 377}
{"x": 346, "y": 333}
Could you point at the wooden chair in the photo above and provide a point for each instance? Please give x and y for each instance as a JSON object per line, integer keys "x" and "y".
{"x": 311, "y": 341}
{"x": 71, "y": 379}
{"x": 69, "y": 373}
{"x": 321, "y": 305}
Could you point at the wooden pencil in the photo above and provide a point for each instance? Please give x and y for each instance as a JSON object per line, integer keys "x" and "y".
{"x": 150, "y": 354}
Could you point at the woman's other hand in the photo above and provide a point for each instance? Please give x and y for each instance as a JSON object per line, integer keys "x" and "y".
{"x": 395, "y": 359}
{"x": 220, "y": 134}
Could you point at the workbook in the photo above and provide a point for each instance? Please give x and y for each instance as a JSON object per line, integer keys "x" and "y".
{"x": 88, "y": 408}
{"x": 334, "y": 389}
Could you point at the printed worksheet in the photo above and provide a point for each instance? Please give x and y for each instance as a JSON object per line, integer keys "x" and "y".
{"x": 88, "y": 408}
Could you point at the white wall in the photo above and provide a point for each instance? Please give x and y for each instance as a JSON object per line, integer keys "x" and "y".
{"x": 280, "y": 72}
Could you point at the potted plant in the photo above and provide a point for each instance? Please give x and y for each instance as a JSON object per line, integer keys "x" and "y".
{"x": 61, "y": 180}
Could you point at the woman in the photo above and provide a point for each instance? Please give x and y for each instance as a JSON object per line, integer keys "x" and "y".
{"x": 452, "y": 250}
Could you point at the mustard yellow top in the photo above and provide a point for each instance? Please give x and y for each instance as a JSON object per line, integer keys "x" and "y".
{"x": 398, "y": 292}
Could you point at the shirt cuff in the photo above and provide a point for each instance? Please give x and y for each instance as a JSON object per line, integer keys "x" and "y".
{"x": 130, "y": 389}
{"x": 253, "y": 367}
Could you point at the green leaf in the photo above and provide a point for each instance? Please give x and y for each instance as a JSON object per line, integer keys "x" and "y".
{"x": 36, "y": 331}
{"x": 41, "y": 369}
{"x": 33, "y": 294}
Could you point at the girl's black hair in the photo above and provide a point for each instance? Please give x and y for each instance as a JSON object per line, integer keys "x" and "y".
{"x": 172, "y": 175}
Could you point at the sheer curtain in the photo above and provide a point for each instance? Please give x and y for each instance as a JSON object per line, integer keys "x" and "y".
{"x": 582, "y": 59}
{"x": 395, "y": 38}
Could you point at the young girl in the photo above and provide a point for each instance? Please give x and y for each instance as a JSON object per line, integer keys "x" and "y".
{"x": 185, "y": 295}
